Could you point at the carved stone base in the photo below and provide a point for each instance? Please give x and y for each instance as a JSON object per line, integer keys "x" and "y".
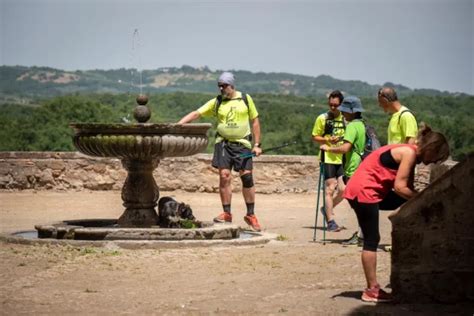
{"x": 138, "y": 218}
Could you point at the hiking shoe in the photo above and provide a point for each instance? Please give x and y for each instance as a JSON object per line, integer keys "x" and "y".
{"x": 376, "y": 295}
{"x": 252, "y": 221}
{"x": 333, "y": 227}
{"x": 223, "y": 217}
{"x": 355, "y": 240}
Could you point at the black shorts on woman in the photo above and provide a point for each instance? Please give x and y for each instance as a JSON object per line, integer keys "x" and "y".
{"x": 228, "y": 155}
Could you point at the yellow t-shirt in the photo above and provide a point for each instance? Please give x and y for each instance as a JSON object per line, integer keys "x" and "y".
{"x": 232, "y": 118}
{"x": 401, "y": 127}
{"x": 337, "y": 130}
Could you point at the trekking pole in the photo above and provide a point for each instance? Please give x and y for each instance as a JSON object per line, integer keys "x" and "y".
{"x": 269, "y": 149}
{"x": 321, "y": 180}
{"x": 317, "y": 200}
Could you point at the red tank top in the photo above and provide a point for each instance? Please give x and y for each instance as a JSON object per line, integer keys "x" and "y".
{"x": 372, "y": 181}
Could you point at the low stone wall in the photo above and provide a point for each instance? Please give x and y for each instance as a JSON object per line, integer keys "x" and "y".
{"x": 75, "y": 171}
{"x": 433, "y": 240}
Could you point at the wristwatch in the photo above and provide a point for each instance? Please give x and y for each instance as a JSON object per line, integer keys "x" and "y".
{"x": 257, "y": 145}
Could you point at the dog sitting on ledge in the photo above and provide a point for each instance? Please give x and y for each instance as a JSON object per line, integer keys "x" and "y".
{"x": 170, "y": 212}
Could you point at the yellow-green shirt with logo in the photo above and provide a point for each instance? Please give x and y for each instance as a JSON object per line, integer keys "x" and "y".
{"x": 338, "y": 130}
{"x": 401, "y": 127}
{"x": 232, "y": 118}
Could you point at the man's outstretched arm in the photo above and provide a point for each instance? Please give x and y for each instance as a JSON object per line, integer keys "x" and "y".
{"x": 188, "y": 118}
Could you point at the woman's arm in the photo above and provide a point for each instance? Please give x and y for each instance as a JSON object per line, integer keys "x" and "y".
{"x": 407, "y": 159}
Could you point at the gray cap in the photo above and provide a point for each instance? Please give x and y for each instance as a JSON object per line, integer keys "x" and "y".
{"x": 226, "y": 77}
{"x": 351, "y": 104}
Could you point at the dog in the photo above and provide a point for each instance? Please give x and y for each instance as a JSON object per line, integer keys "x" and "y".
{"x": 171, "y": 211}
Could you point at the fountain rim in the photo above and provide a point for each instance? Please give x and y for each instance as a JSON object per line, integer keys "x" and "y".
{"x": 261, "y": 238}
{"x": 140, "y": 128}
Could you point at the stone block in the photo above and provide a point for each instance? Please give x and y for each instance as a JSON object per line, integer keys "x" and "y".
{"x": 433, "y": 240}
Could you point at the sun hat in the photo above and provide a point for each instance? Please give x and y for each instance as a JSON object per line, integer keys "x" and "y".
{"x": 351, "y": 104}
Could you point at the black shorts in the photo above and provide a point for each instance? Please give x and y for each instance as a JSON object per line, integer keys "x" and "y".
{"x": 333, "y": 171}
{"x": 227, "y": 155}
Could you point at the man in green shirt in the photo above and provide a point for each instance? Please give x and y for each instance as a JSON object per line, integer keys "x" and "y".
{"x": 233, "y": 113}
{"x": 402, "y": 128}
{"x": 328, "y": 130}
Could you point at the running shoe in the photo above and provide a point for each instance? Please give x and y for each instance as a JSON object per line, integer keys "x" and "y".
{"x": 223, "y": 217}
{"x": 252, "y": 221}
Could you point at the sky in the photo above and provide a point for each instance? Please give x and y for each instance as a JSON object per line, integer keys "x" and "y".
{"x": 417, "y": 43}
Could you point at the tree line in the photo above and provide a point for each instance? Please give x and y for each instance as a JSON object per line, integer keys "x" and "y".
{"x": 44, "y": 125}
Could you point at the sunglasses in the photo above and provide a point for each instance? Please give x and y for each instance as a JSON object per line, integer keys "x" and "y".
{"x": 223, "y": 85}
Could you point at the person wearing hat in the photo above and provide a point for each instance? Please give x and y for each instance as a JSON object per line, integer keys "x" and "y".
{"x": 235, "y": 112}
{"x": 354, "y": 136}
{"x": 352, "y": 148}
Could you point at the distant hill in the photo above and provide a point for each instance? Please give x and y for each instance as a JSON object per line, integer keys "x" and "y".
{"x": 19, "y": 82}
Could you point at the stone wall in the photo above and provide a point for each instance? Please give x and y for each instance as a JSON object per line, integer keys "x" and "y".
{"x": 433, "y": 240}
{"x": 74, "y": 171}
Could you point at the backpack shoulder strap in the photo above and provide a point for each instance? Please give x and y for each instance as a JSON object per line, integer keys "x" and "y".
{"x": 327, "y": 125}
{"x": 218, "y": 103}
{"x": 404, "y": 111}
{"x": 245, "y": 99}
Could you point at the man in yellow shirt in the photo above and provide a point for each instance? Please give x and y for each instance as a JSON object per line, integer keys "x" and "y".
{"x": 402, "y": 128}
{"x": 329, "y": 130}
{"x": 233, "y": 111}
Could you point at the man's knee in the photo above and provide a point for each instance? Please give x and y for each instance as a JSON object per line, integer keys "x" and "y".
{"x": 224, "y": 177}
{"x": 330, "y": 185}
{"x": 247, "y": 180}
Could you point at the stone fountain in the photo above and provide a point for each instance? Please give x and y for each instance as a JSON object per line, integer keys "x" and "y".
{"x": 140, "y": 147}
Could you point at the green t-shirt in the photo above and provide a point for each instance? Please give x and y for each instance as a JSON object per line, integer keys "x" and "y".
{"x": 355, "y": 134}
{"x": 338, "y": 130}
{"x": 401, "y": 127}
{"x": 232, "y": 119}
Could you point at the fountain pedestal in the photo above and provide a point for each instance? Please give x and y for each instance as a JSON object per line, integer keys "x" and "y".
{"x": 139, "y": 194}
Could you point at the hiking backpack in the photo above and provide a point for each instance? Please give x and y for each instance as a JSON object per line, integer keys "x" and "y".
{"x": 219, "y": 101}
{"x": 371, "y": 141}
{"x": 330, "y": 123}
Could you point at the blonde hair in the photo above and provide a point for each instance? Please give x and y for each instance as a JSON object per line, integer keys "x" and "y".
{"x": 435, "y": 142}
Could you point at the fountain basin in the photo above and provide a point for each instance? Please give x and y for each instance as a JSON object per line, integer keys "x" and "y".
{"x": 141, "y": 141}
{"x": 108, "y": 229}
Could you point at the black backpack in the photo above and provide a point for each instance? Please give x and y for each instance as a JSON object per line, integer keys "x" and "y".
{"x": 371, "y": 141}
{"x": 330, "y": 124}
{"x": 219, "y": 101}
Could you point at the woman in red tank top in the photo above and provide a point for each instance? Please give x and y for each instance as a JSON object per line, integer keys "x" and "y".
{"x": 384, "y": 180}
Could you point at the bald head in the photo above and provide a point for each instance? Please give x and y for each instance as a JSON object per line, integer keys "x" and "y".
{"x": 388, "y": 93}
